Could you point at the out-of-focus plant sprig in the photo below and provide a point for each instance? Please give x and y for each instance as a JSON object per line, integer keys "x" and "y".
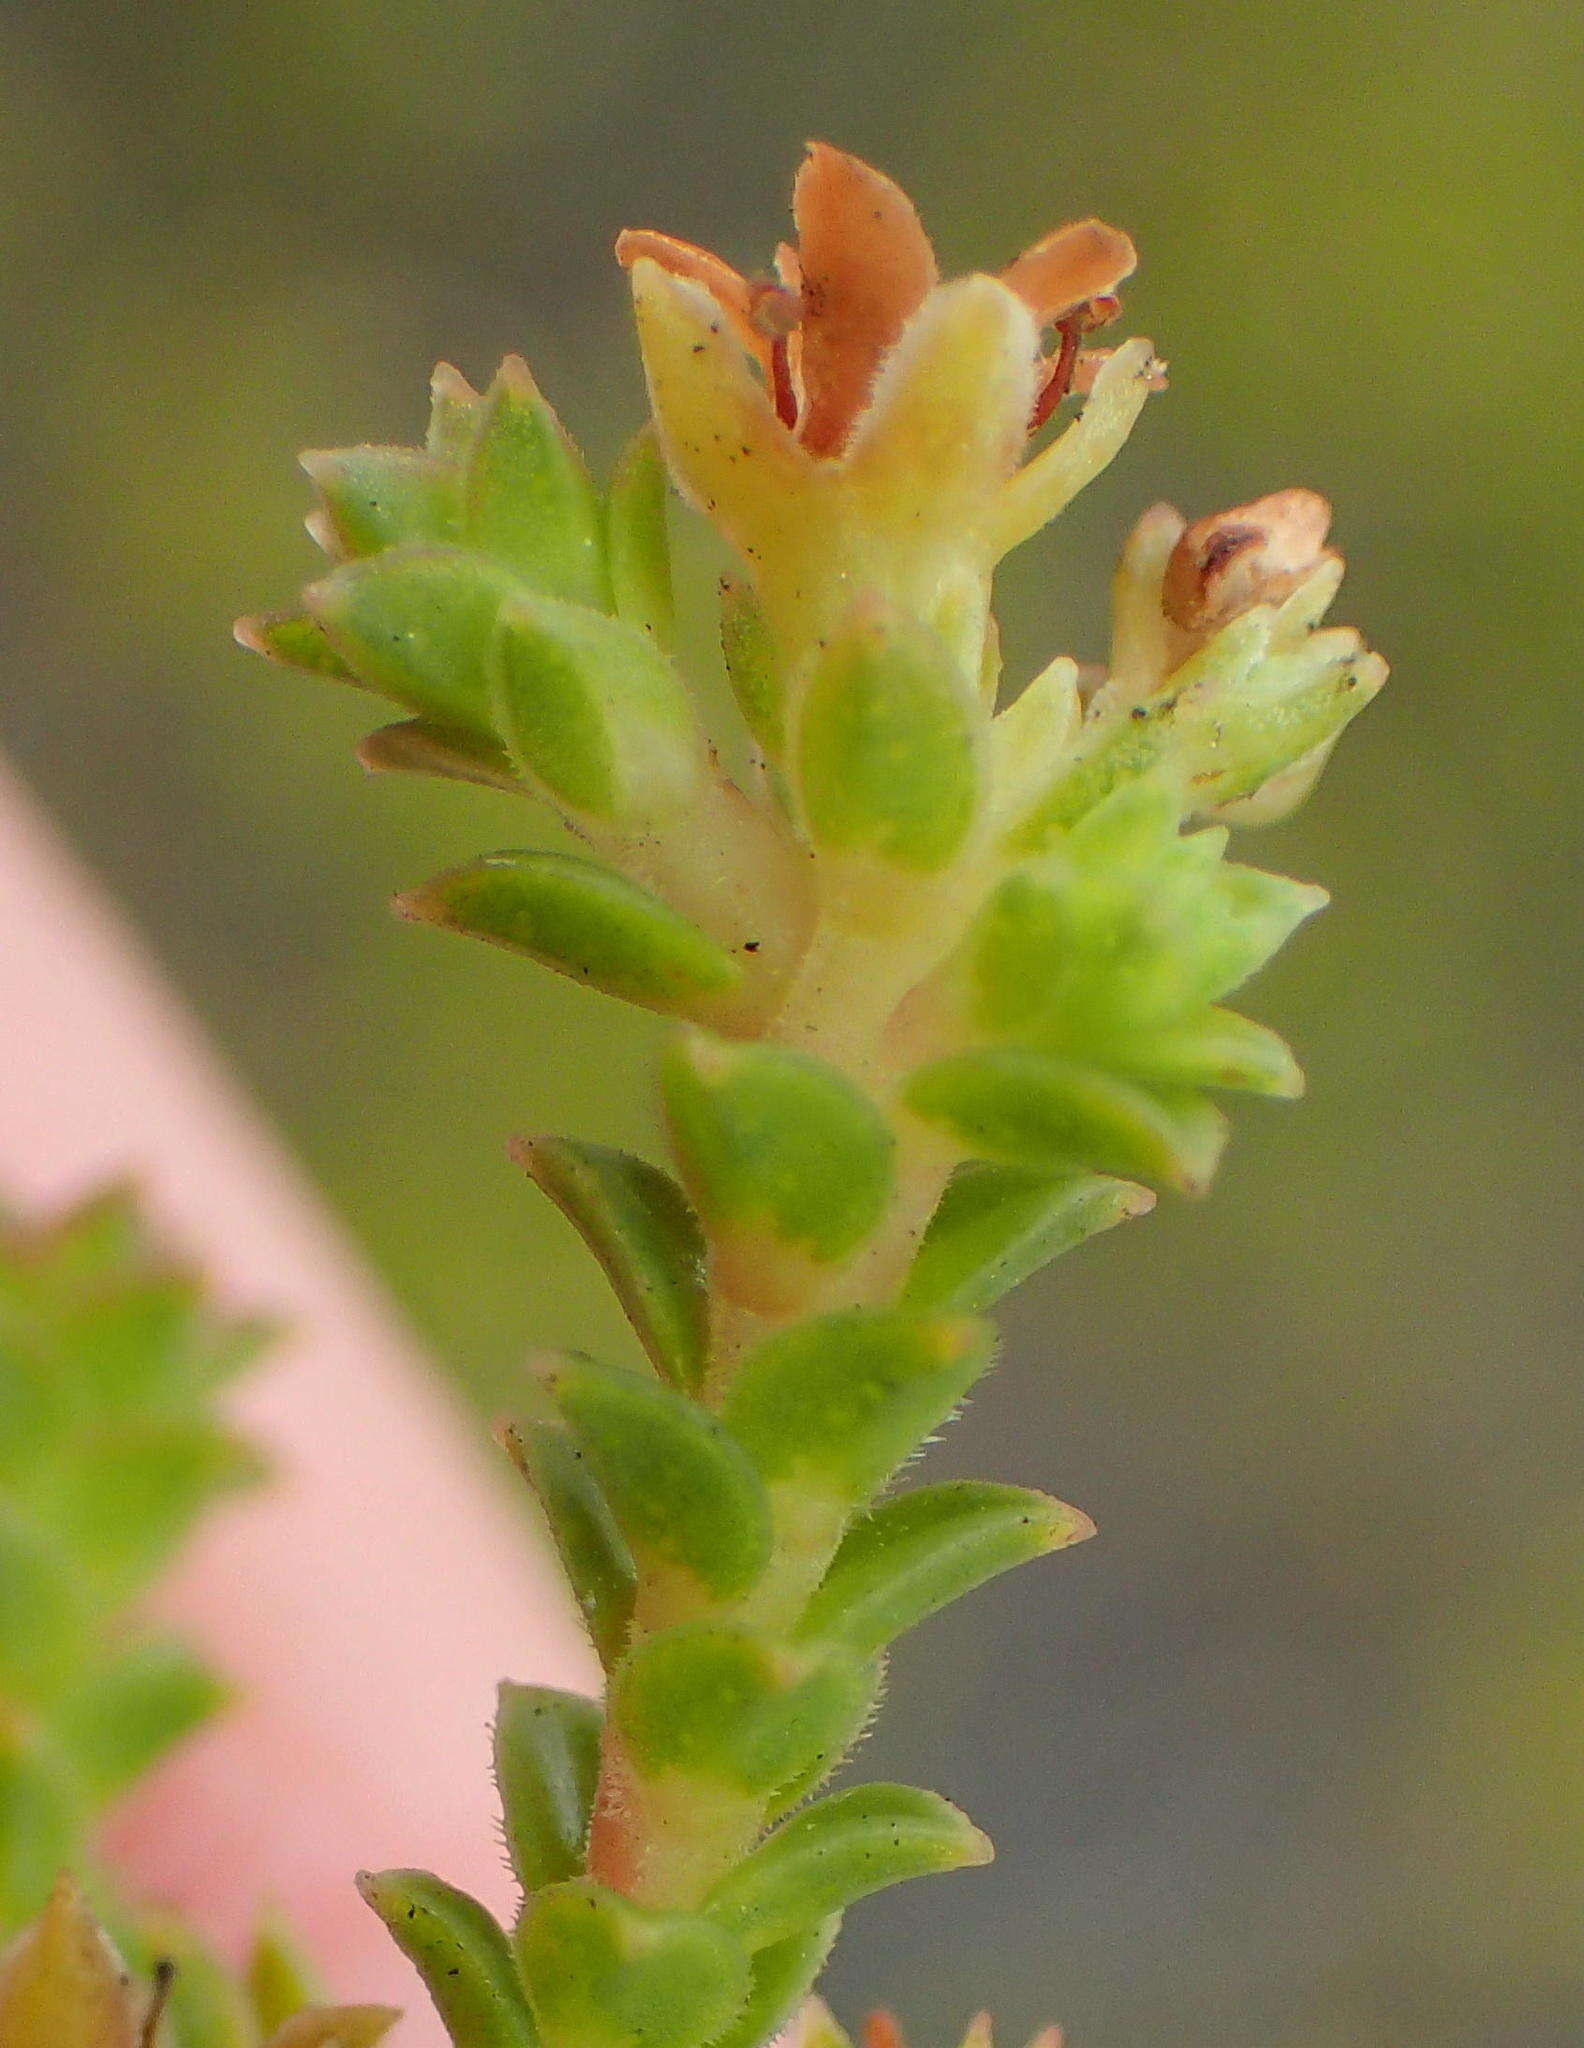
{"x": 949, "y": 976}
{"x": 111, "y": 1448}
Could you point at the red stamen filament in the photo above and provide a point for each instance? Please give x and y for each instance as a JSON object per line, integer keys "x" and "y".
{"x": 1059, "y": 382}
{"x": 781, "y": 389}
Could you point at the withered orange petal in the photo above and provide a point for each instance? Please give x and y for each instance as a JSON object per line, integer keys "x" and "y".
{"x": 699, "y": 266}
{"x": 882, "y": 2030}
{"x": 1085, "y": 260}
{"x": 787, "y": 266}
{"x": 867, "y": 265}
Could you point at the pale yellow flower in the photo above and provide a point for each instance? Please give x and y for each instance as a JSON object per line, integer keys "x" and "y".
{"x": 853, "y": 424}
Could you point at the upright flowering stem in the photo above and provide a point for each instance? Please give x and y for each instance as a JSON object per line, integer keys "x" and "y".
{"x": 947, "y": 972}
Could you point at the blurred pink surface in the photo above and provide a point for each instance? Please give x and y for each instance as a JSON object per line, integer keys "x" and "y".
{"x": 367, "y": 1601}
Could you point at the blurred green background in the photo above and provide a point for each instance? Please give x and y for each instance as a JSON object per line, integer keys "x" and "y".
{"x": 1292, "y": 1757}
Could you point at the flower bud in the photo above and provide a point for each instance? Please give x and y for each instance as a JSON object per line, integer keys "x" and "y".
{"x": 1260, "y": 553}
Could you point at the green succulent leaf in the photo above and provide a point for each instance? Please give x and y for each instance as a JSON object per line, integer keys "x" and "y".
{"x": 415, "y": 624}
{"x": 639, "y": 539}
{"x": 594, "y": 1553}
{"x": 725, "y": 1706}
{"x": 604, "y": 1973}
{"x": 591, "y": 710}
{"x": 1236, "y": 715}
{"x": 838, "y": 1850}
{"x": 887, "y": 757}
{"x": 636, "y": 1221}
{"x": 1287, "y": 706}
{"x": 376, "y": 498}
{"x": 1035, "y": 730}
{"x": 461, "y": 1954}
{"x": 995, "y": 1225}
{"x": 913, "y": 1555}
{"x": 780, "y": 1976}
{"x": 777, "y": 1149}
{"x": 834, "y": 1405}
{"x": 681, "y": 1489}
{"x": 1023, "y": 1108}
{"x": 1128, "y": 931}
{"x": 454, "y": 409}
{"x": 546, "y": 1748}
{"x": 528, "y": 500}
{"x": 420, "y": 746}
{"x": 1219, "y": 1049}
{"x": 584, "y": 921}
{"x": 753, "y": 667}
{"x": 293, "y": 641}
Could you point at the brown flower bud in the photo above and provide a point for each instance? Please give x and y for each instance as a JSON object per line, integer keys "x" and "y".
{"x": 1255, "y": 554}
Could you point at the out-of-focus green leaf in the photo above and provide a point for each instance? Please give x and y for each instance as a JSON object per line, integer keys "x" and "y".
{"x": 132, "y": 1709}
{"x": 753, "y": 667}
{"x": 62, "y": 1985}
